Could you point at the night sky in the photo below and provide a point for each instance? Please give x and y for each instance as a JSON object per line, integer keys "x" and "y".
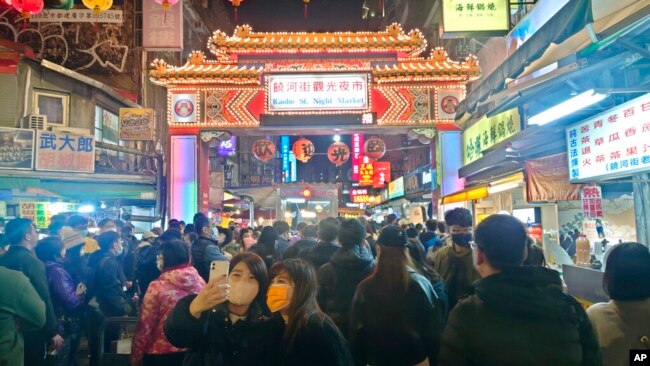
{"x": 287, "y": 15}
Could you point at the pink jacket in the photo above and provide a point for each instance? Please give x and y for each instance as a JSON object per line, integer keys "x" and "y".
{"x": 160, "y": 299}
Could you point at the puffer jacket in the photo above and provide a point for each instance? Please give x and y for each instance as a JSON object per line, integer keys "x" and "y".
{"x": 519, "y": 316}
{"x": 338, "y": 280}
{"x": 320, "y": 254}
{"x": 63, "y": 289}
{"x": 162, "y": 295}
{"x": 204, "y": 251}
{"x": 395, "y": 330}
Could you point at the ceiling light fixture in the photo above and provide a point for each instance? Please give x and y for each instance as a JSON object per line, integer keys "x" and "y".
{"x": 567, "y": 107}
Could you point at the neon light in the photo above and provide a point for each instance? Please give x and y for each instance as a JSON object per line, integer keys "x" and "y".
{"x": 357, "y": 143}
{"x": 183, "y": 178}
{"x": 286, "y": 161}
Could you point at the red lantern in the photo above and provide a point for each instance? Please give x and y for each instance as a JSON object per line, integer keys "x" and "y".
{"x": 374, "y": 148}
{"x": 235, "y": 4}
{"x": 303, "y": 149}
{"x": 264, "y": 149}
{"x": 28, "y": 7}
{"x": 338, "y": 153}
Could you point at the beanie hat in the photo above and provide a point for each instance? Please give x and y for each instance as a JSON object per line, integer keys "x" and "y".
{"x": 392, "y": 236}
{"x": 71, "y": 238}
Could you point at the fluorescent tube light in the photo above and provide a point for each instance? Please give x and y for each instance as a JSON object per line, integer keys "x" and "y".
{"x": 567, "y": 107}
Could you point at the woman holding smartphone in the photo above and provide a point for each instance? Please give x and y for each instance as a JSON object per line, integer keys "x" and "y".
{"x": 228, "y": 323}
{"x": 310, "y": 337}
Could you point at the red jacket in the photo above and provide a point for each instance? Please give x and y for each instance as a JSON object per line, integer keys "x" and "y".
{"x": 160, "y": 299}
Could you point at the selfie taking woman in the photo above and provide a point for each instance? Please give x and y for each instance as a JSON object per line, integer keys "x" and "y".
{"x": 228, "y": 323}
{"x": 310, "y": 336}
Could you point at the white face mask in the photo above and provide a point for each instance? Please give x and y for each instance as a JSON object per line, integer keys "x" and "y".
{"x": 243, "y": 288}
{"x": 120, "y": 251}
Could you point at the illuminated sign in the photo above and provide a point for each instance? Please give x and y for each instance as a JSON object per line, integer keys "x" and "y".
{"x": 357, "y": 144}
{"x": 227, "y": 147}
{"x": 466, "y": 17}
{"x": 286, "y": 160}
{"x": 396, "y": 188}
{"x": 183, "y": 108}
{"x": 382, "y": 174}
{"x": 317, "y": 92}
{"x": 614, "y": 142}
{"x": 487, "y": 132}
{"x": 359, "y": 195}
{"x": 366, "y": 172}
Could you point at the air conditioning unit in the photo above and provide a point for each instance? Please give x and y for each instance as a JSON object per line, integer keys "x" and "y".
{"x": 35, "y": 122}
{"x": 72, "y": 130}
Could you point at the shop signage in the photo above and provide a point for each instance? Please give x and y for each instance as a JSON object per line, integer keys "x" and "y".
{"x": 419, "y": 180}
{"x": 16, "y": 148}
{"x": 381, "y": 175}
{"x": 384, "y": 195}
{"x": 183, "y": 108}
{"x": 357, "y": 144}
{"x": 469, "y": 17}
{"x": 317, "y": 92}
{"x": 489, "y": 131}
{"x": 62, "y": 151}
{"x": 162, "y": 29}
{"x": 366, "y": 172}
{"x": 286, "y": 162}
{"x": 448, "y": 101}
{"x": 136, "y": 124}
{"x": 616, "y": 142}
{"x": 41, "y": 212}
{"x": 227, "y": 147}
{"x": 77, "y": 16}
{"x": 359, "y": 195}
{"x": 396, "y": 188}
{"x": 316, "y": 192}
{"x": 592, "y": 202}
{"x": 547, "y": 180}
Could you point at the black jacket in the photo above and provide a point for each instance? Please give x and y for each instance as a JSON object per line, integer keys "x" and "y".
{"x": 320, "y": 254}
{"x": 319, "y": 343}
{"x": 107, "y": 283}
{"x": 395, "y": 331}
{"x": 146, "y": 269}
{"x": 338, "y": 280}
{"x": 204, "y": 251}
{"x": 519, "y": 317}
{"x": 213, "y": 339}
{"x": 266, "y": 252}
{"x": 23, "y": 260}
{"x": 297, "y": 247}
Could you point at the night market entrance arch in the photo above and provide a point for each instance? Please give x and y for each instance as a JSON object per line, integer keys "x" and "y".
{"x": 283, "y": 83}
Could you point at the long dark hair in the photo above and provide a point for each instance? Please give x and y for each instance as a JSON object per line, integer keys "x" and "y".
{"x": 627, "y": 272}
{"x": 390, "y": 277}
{"x": 49, "y": 249}
{"x": 416, "y": 254}
{"x": 303, "y": 303}
{"x": 258, "y": 269}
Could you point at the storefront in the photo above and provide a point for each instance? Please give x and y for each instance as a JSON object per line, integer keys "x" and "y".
{"x": 307, "y": 202}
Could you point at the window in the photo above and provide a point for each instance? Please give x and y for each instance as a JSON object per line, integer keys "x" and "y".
{"x": 106, "y": 126}
{"x": 54, "y": 105}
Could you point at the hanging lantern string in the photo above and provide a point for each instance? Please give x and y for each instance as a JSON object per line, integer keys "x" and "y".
{"x": 387, "y": 150}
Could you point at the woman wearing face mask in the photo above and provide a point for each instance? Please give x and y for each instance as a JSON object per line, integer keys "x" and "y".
{"x": 177, "y": 280}
{"x": 228, "y": 324}
{"x": 310, "y": 337}
{"x": 243, "y": 244}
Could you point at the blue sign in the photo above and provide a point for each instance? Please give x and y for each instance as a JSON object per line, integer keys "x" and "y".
{"x": 228, "y": 147}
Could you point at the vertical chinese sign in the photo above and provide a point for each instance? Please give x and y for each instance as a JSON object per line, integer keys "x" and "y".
{"x": 366, "y": 172}
{"x": 60, "y": 151}
{"x": 357, "y": 145}
{"x": 592, "y": 206}
{"x": 162, "y": 30}
{"x": 381, "y": 174}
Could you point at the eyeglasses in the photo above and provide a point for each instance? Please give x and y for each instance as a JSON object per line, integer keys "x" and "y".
{"x": 473, "y": 245}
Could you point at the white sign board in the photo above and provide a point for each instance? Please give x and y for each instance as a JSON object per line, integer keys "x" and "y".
{"x": 183, "y": 108}
{"x": 613, "y": 143}
{"x": 77, "y": 16}
{"x": 317, "y": 92}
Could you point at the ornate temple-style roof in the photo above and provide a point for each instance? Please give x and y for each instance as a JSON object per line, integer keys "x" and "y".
{"x": 438, "y": 67}
{"x": 245, "y": 41}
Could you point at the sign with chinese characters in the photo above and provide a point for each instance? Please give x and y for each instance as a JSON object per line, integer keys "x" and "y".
{"x": 317, "y": 92}
{"x": 465, "y": 17}
{"x": 487, "y": 132}
{"x": 162, "y": 29}
{"x": 16, "y": 148}
{"x": 227, "y": 147}
{"x": 366, "y": 172}
{"x": 381, "y": 174}
{"x": 77, "y": 16}
{"x": 448, "y": 101}
{"x": 41, "y": 212}
{"x": 396, "y": 188}
{"x": 183, "y": 108}
{"x": 359, "y": 195}
{"x": 592, "y": 202}
{"x": 62, "y": 151}
{"x": 357, "y": 143}
{"x": 136, "y": 124}
{"x": 418, "y": 180}
{"x": 616, "y": 142}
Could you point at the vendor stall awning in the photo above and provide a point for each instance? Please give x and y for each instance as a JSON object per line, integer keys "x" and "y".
{"x": 466, "y": 195}
{"x": 86, "y": 191}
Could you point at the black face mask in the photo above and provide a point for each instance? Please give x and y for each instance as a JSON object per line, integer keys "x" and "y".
{"x": 462, "y": 240}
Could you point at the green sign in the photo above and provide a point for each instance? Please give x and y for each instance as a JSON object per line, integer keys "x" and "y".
{"x": 489, "y": 131}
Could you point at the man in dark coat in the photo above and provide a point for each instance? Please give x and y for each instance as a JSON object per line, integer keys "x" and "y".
{"x": 338, "y": 279}
{"x": 205, "y": 248}
{"x": 308, "y": 241}
{"x": 328, "y": 230}
{"x": 518, "y": 315}
{"x": 22, "y": 236}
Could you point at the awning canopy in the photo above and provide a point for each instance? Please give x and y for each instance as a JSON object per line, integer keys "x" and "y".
{"x": 469, "y": 194}
{"x": 86, "y": 191}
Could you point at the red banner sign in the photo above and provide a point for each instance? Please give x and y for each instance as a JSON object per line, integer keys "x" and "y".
{"x": 381, "y": 175}
{"x": 592, "y": 206}
{"x": 359, "y": 195}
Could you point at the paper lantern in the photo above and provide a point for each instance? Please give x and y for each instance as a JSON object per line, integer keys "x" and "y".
{"x": 338, "y": 153}
{"x": 374, "y": 148}
{"x": 97, "y": 6}
{"x": 303, "y": 149}
{"x": 28, "y": 7}
{"x": 264, "y": 149}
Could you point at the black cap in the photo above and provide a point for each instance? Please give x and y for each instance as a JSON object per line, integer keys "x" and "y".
{"x": 392, "y": 236}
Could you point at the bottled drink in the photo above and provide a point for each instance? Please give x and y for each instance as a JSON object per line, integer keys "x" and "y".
{"x": 583, "y": 250}
{"x": 600, "y": 229}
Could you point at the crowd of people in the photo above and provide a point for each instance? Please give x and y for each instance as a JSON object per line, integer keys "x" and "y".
{"x": 338, "y": 292}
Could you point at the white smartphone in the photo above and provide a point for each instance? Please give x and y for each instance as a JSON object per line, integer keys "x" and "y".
{"x": 219, "y": 269}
